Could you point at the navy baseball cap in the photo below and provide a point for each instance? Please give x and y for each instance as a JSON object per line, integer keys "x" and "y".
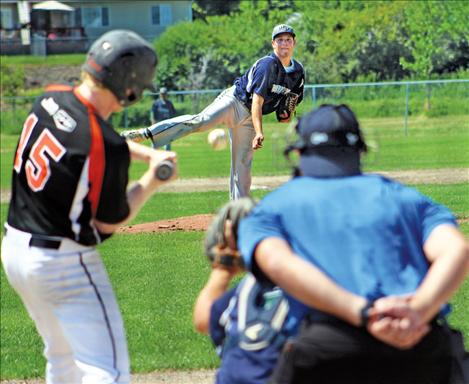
{"x": 282, "y": 28}
{"x": 330, "y": 142}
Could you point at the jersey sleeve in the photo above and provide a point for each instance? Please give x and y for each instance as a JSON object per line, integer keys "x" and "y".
{"x": 219, "y": 306}
{"x": 113, "y": 206}
{"x": 432, "y": 215}
{"x": 260, "y": 77}
{"x": 263, "y": 222}
{"x": 423, "y": 212}
{"x": 299, "y": 86}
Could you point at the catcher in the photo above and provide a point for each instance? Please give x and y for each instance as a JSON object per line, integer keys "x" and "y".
{"x": 240, "y": 321}
{"x": 273, "y": 84}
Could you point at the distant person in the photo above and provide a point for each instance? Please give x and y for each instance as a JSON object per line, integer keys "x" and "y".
{"x": 162, "y": 109}
{"x": 402, "y": 253}
{"x": 52, "y": 35}
{"x": 70, "y": 193}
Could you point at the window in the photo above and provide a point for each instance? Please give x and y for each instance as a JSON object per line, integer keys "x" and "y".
{"x": 6, "y": 18}
{"x": 95, "y": 16}
{"x": 105, "y": 16}
{"x": 155, "y": 15}
{"x": 77, "y": 14}
{"x": 161, "y": 14}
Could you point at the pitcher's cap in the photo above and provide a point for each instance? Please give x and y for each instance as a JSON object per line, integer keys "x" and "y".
{"x": 282, "y": 28}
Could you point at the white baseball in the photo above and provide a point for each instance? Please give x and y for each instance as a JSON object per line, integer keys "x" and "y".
{"x": 217, "y": 139}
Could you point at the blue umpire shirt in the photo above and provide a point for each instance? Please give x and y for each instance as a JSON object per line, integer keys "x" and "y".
{"x": 365, "y": 232}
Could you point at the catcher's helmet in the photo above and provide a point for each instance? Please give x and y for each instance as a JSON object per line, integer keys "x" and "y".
{"x": 124, "y": 63}
{"x": 330, "y": 142}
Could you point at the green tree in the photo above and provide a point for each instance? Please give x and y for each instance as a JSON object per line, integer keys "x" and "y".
{"x": 212, "y": 54}
{"x": 201, "y": 9}
{"x": 432, "y": 28}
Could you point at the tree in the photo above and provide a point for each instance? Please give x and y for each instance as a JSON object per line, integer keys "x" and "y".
{"x": 201, "y": 9}
{"x": 431, "y": 30}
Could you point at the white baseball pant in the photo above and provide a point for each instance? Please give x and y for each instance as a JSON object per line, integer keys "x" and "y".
{"x": 226, "y": 110}
{"x": 68, "y": 294}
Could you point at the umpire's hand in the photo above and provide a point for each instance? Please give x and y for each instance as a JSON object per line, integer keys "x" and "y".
{"x": 395, "y": 322}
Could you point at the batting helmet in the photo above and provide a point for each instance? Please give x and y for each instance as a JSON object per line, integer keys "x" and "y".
{"x": 124, "y": 63}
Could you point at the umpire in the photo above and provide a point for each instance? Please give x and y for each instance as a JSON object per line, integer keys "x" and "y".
{"x": 382, "y": 241}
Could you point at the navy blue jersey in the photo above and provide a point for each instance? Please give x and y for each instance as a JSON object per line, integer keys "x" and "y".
{"x": 243, "y": 328}
{"x": 70, "y": 167}
{"x": 162, "y": 110}
{"x": 363, "y": 231}
{"x": 268, "y": 78}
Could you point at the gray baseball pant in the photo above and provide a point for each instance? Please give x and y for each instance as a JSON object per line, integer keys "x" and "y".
{"x": 226, "y": 110}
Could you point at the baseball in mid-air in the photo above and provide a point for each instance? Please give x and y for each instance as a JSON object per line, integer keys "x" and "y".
{"x": 217, "y": 139}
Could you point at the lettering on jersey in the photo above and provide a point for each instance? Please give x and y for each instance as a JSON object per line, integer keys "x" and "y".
{"x": 280, "y": 90}
{"x": 50, "y": 106}
{"x": 62, "y": 119}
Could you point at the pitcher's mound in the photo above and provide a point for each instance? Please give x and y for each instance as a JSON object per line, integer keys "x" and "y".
{"x": 187, "y": 223}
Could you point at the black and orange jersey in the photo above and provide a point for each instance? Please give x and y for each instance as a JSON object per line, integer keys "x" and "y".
{"x": 70, "y": 167}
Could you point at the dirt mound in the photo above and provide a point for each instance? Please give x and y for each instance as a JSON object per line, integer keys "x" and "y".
{"x": 186, "y": 223}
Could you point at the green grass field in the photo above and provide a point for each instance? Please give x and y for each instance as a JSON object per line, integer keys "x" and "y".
{"x": 157, "y": 276}
{"x": 425, "y": 146}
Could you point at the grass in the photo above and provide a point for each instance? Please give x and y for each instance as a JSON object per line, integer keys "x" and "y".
{"x": 63, "y": 59}
{"x": 157, "y": 309}
{"x": 157, "y": 276}
{"x": 425, "y": 146}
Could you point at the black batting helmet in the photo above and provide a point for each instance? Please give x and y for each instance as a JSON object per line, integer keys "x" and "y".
{"x": 124, "y": 63}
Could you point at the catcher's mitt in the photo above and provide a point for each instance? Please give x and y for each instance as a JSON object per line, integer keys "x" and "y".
{"x": 222, "y": 234}
{"x": 286, "y": 107}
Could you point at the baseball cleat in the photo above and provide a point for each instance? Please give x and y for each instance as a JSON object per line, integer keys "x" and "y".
{"x": 136, "y": 135}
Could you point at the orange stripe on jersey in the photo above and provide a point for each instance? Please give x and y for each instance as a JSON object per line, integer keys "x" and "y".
{"x": 97, "y": 163}
{"x": 97, "y": 157}
{"x": 58, "y": 88}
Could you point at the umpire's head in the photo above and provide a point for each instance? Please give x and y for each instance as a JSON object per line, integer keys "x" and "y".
{"x": 330, "y": 142}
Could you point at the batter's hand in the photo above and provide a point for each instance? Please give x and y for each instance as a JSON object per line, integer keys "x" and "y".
{"x": 257, "y": 141}
{"x": 153, "y": 158}
{"x": 158, "y": 157}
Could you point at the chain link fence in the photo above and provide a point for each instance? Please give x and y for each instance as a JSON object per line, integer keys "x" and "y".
{"x": 433, "y": 98}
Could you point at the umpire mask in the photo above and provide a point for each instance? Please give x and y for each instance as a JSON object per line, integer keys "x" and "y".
{"x": 330, "y": 143}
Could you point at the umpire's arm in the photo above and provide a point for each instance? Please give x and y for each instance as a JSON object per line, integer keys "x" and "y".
{"x": 447, "y": 251}
{"x": 305, "y": 282}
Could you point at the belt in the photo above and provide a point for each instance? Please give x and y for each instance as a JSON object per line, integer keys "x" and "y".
{"x": 42, "y": 241}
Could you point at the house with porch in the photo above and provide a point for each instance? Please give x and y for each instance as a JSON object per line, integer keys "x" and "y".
{"x": 50, "y": 27}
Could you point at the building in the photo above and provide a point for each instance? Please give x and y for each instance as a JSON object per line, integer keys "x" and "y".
{"x": 47, "y": 27}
